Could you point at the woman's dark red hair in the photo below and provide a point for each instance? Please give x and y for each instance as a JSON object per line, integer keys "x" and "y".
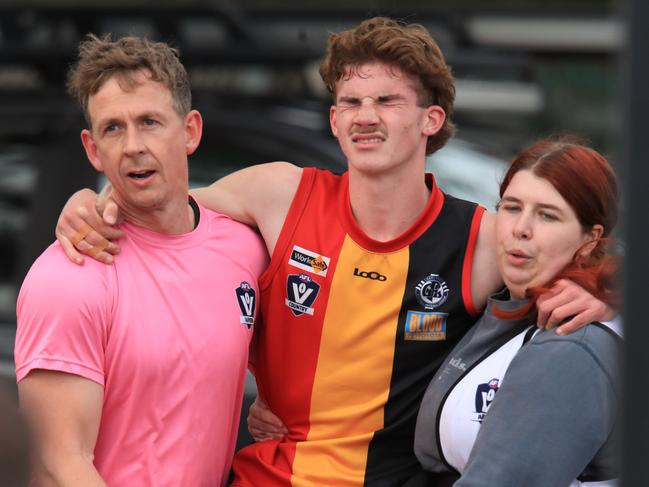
{"x": 585, "y": 179}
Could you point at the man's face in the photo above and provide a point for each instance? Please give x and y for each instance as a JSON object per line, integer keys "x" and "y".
{"x": 377, "y": 120}
{"x": 141, "y": 143}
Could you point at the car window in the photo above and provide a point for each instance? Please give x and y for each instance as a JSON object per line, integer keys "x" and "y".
{"x": 464, "y": 171}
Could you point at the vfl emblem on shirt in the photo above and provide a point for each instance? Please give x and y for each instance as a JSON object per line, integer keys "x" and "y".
{"x": 425, "y": 326}
{"x": 246, "y": 300}
{"x": 431, "y": 291}
{"x": 301, "y": 292}
{"x": 484, "y": 394}
{"x": 309, "y": 261}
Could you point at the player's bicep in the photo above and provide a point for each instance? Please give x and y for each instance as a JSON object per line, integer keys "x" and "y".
{"x": 485, "y": 277}
{"x": 63, "y": 412}
{"x": 254, "y": 194}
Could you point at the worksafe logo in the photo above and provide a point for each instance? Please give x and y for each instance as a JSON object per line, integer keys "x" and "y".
{"x": 246, "y": 300}
{"x": 425, "y": 326}
{"x": 308, "y": 260}
{"x": 301, "y": 292}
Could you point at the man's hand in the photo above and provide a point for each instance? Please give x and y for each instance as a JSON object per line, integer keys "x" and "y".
{"x": 571, "y": 302}
{"x": 263, "y": 424}
{"x": 81, "y": 229}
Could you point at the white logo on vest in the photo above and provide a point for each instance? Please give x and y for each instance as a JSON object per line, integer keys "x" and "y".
{"x": 432, "y": 291}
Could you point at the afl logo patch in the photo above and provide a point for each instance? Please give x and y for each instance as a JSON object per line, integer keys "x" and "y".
{"x": 432, "y": 291}
{"x": 246, "y": 300}
{"x": 484, "y": 395}
{"x": 301, "y": 292}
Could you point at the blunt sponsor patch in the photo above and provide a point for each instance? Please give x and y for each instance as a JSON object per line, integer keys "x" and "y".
{"x": 301, "y": 292}
{"x": 425, "y": 326}
{"x": 246, "y": 300}
{"x": 432, "y": 291}
{"x": 309, "y": 261}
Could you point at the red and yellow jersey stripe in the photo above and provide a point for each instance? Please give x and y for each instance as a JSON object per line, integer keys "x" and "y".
{"x": 353, "y": 331}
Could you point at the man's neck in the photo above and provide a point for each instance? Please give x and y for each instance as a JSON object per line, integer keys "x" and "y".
{"x": 176, "y": 218}
{"x": 384, "y": 206}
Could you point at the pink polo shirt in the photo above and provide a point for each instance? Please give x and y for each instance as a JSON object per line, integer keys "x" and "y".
{"x": 165, "y": 331}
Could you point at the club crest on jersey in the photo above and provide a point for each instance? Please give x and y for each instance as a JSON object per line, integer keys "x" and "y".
{"x": 309, "y": 261}
{"x": 246, "y": 300}
{"x": 432, "y": 291}
{"x": 301, "y": 292}
{"x": 425, "y": 326}
{"x": 484, "y": 394}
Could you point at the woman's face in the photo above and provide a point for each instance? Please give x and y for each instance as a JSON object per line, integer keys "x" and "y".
{"x": 537, "y": 233}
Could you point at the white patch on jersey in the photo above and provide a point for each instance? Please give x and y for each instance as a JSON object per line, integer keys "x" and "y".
{"x": 309, "y": 261}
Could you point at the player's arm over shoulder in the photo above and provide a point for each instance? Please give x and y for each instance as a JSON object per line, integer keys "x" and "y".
{"x": 251, "y": 194}
{"x": 485, "y": 278}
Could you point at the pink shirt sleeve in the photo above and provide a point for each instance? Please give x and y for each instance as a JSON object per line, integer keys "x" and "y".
{"x": 64, "y": 315}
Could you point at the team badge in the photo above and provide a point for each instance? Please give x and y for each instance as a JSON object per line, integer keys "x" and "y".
{"x": 425, "y": 326}
{"x": 246, "y": 300}
{"x": 301, "y": 292}
{"x": 432, "y": 291}
{"x": 484, "y": 394}
{"x": 309, "y": 261}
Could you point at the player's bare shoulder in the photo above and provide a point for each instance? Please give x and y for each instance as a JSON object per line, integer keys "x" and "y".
{"x": 273, "y": 186}
{"x": 485, "y": 278}
{"x": 274, "y": 183}
{"x": 259, "y": 195}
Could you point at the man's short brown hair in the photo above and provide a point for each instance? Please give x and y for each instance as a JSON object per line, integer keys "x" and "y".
{"x": 102, "y": 58}
{"x": 406, "y": 46}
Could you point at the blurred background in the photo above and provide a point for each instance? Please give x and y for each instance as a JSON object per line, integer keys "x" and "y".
{"x": 524, "y": 69}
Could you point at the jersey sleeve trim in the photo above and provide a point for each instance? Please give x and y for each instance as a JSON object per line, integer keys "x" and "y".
{"x": 60, "y": 365}
{"x": 467, "y": 264}
{"x": 293, "y": 216}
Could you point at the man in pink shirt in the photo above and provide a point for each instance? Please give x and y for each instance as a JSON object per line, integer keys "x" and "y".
{"x": 133, "y": 374}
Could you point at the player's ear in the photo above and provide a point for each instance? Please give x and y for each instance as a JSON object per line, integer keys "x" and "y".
{"x": 435, "y": 117}
{"x": 332, "y": 120}
{"x": 91, "y": 149}
{"x": 193, "y": 130}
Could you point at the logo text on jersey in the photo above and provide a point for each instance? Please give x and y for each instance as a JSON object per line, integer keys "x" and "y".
{"x": 301, "y": 292}
{"x": 484, "y": 394}
{"x": 432, "y": 291}
{"x": 308, "y": 260}
{"x": 246, "y": 299}
{"x": 457, "y": 362}
{"x": 425, "y": 326}
{"x": 375, "y": 276}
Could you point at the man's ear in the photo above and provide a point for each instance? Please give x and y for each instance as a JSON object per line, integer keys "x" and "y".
{"x": 332, "y": 120}
{"x": 193, "y": 130}
{"x": 91, "y": 149}
{"x": 435, "y": 117}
